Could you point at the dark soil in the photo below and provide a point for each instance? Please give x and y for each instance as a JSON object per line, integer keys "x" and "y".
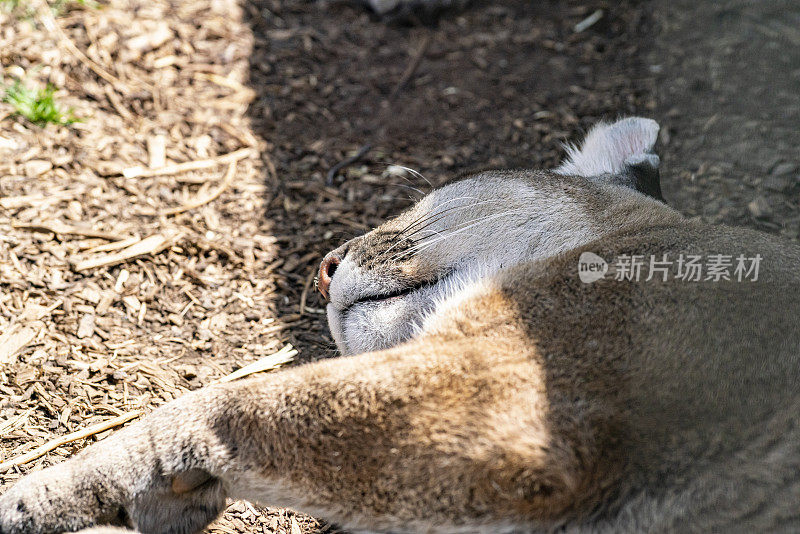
{"x": 498, "y": 85}
{"x": 728, "y": 87}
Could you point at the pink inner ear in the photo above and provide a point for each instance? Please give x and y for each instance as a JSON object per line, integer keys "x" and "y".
{"x": 607, "y": 146}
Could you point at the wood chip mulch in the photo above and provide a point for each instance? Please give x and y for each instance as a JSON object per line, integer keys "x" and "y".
{"x": 132, "y": 263}
{"x": 171, "y": 237}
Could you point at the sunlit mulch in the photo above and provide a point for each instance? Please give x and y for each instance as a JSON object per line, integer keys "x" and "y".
{"x": 127, "y": 281}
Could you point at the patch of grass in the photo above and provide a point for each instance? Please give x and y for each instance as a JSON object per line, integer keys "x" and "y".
{"x": 26, "y": 10}
{"x": 37, "y": 105}
{"x": 10, "y": 5}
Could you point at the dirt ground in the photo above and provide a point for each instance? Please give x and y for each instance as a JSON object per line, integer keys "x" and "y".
{"x": 727, "y": 80}
{"x": 267, "y": 97}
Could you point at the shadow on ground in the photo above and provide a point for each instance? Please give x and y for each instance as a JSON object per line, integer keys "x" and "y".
{"x": 728, "y": 87}
{"x": 502, "y": 84}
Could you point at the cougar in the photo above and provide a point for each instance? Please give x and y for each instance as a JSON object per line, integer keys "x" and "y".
{"x": 502, "y": 370}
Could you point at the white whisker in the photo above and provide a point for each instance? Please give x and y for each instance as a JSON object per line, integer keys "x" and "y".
{"x": 417, "y": 248}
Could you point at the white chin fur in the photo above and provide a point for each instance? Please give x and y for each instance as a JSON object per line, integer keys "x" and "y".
{"x": 380, "y": 325}
{"x": 373, "y": 325}
{"x": 335, "y": 326}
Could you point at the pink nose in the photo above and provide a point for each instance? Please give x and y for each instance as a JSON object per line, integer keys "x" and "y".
{"x": 326, "y": 270}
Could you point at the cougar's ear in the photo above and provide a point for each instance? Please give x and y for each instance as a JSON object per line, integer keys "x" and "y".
{"x": 620, "y": 153}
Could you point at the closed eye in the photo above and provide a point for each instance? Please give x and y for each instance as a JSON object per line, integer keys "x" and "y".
{"x": 391, "y": 295}
{"x": 399, "y": 293}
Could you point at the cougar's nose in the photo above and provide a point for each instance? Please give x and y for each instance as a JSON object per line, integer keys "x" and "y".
{"x": 326, "y": 270}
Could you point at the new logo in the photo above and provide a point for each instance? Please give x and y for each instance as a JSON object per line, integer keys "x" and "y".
{"x": 591, "y": 267}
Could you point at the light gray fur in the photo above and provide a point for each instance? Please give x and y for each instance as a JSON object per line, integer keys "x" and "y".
{"x": 608, "y": 147}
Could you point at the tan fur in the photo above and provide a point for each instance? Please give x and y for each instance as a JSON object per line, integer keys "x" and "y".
{"x": 525, "y": 401}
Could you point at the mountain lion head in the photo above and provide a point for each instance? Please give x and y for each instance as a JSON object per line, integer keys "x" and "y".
{"x": 383, "y": 286}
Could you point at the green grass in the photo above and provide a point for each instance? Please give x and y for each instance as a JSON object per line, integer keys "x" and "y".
{"x": 38, "y": 106}
{"x": 26, "y": 10}
{"x": 10, "y": 5}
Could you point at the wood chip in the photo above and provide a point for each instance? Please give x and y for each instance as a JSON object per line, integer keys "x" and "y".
{"x": 589, "y": 21}
{"x": 14, "y": 340}
{"x": 86, "y": 326}
{"x": 150, "y": 245}
{"x": 157, "y": 151}
{"x": 205, "y": 199}
{"x": 37, "y": 167}
{"x": 151, "y": 39}
{"x": 132, "y": 302}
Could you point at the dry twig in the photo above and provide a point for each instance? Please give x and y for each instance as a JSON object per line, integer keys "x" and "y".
{"x": 412, "y": 67}
{"x": 197, "y": 165}
{"x": 196, "y": 203}
{"x": 22, "y": 201}
{"x": 267, "y": 363}
{"x": 346, "y": 163}
{"x": 68, "y": 438}
{"x": 149, "y": 245}
{"x": 59, "y": 228}
{"x": 306, "y": 287}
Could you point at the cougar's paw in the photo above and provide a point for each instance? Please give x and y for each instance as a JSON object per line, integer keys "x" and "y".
{"x": 56, "y": 500}
{"x": 68, "y": 497}
{"x": 191, "y": 501}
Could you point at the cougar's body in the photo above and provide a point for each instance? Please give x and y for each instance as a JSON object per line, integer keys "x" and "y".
{"x": 484, "y": 387}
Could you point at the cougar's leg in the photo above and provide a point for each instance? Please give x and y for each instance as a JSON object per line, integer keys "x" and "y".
{"x": 432, "y": 436}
